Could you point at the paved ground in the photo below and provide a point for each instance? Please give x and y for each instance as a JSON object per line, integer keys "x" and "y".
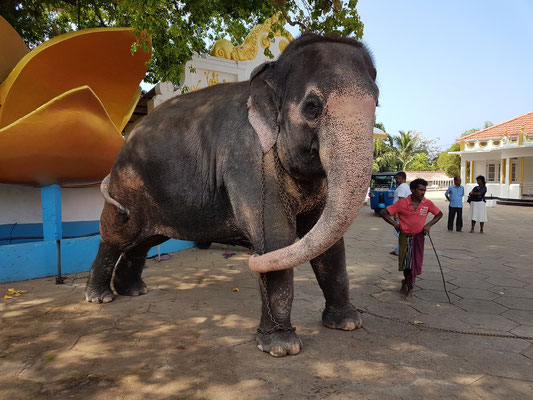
{"x": 191, "y": 336}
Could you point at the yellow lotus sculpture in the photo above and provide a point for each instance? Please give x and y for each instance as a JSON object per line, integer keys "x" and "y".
{"x": 64, "y": 104}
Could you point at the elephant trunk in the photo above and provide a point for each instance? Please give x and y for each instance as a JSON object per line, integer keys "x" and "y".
{"x": 346, "y": 155}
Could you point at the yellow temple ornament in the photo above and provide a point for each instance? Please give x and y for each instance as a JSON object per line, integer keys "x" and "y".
{"x": 248, "y": 50}
{"x": 64, "y": 104}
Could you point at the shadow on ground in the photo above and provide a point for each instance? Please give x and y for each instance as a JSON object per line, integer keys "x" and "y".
{"x": 192, "y": 335}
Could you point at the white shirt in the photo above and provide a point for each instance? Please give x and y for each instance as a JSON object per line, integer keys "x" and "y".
{"x": 402, "y": 191}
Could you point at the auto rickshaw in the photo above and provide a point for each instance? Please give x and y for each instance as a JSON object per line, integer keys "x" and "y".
{"x": 381, "y": 193}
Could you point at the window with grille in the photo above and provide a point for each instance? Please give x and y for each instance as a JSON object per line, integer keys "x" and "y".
{"x": 513, "y": 173}
{"x": 493, "y": 171}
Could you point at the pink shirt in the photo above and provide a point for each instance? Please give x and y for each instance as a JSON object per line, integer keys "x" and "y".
{"x": 412, "y": 221}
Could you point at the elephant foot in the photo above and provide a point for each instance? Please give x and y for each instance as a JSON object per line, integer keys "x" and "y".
{"x": 96, "y": 294}
{"x": 279, "y": 343}
{"x": 130, "y": 288}
{"x": 346, "y": 318}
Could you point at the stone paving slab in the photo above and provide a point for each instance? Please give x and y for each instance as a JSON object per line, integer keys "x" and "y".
{"x": 192, "y": 335}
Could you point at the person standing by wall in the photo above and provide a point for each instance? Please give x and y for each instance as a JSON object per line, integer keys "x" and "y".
{"x": 401, "y": 192}
{"x": 412, "y": 213}
{"x": 478, "y": 206}
{"x": 454, "y": 195}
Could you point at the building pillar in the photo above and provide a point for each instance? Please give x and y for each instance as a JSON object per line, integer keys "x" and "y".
{"x": 51, "y": 207}
{"x": 521, "y": 176}
{"x": 463, "y": 170}
{"x": 507, "y": 176}
{"x": 52, "y": 224}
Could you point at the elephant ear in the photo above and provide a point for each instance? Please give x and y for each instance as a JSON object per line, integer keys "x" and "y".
{"x": 263, "y": 110}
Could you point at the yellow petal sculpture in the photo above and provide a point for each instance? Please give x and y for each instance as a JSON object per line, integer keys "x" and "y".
{"x": 86, "y": 149}
{"x": 64, "y": 104}
{"x": 12, "y": 48}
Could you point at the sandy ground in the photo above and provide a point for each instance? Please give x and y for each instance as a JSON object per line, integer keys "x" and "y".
{"x": 192, "y": 335}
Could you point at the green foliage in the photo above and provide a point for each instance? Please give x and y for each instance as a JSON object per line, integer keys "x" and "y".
{"x": 178, "y": 29}
{"x": 450, "y": 163}
{"x": 385, "y": 154}
{"x": 406, "y": 143}
{"x": 419, "y": 162}
{"x": 385, "y": 157}
{"x": 407, "y": 151}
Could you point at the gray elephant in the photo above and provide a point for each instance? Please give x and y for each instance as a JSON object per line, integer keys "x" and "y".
{"x": 282, "y": 161}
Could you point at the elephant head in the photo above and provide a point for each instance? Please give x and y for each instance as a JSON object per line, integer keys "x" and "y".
{"x": 317, "y": 104}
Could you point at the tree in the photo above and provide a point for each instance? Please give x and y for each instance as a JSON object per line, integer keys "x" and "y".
{"x": 409, "y": 151}
{"x": 407, "y": 145}
{"x": 419, "y": 162}
{"x": 385, "y": 154}
{"x": 450, "y": 163}
{"x": 178, "y": 29}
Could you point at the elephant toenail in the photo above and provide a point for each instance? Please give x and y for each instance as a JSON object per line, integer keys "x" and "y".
{"x": 278, "y": 351}
{"x": 295, "y": 349}
{"x": 350, "y": 326}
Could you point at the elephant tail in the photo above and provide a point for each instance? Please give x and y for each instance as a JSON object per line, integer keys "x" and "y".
{"x": 123, "y": 212}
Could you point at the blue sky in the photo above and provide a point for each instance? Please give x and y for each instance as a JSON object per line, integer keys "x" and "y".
{"x": 447, "y": 66}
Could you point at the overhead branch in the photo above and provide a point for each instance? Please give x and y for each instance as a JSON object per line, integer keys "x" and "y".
{"x": 281, "y": 6}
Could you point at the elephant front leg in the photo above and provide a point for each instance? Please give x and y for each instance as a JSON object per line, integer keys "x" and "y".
{"x": 330, "y": 271}
{"x": 98, "y": 289}
{"x": 268, "y": 229}
{"x": 275, "y": 334}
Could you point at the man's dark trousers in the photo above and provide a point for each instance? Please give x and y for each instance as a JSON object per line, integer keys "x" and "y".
{"x": 452, "y": 211}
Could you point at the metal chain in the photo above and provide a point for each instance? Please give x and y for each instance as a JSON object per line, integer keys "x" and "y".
{"x": 262, "y": 280}
{"x": 288, "y": 211}
{"x": 284, "y": 197}
{"x": 262, "y": 207}
{"x": 401, "y": 321}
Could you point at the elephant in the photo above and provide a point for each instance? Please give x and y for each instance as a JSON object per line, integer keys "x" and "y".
{"x": 282, "y": 161}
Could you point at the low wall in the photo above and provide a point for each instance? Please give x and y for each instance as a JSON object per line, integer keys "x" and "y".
{"x": 38, "y": 259}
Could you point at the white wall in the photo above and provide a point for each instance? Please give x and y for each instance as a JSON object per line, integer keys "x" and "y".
{"x": 82, "y": 204}
{"x": 22, "y": 204}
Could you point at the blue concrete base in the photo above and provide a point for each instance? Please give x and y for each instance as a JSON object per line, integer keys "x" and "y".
{"x": 38, "y": 259}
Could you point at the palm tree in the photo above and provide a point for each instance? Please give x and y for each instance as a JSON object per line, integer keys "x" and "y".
{"x": 406, "y": 143}
{"x": 385, "y": 155}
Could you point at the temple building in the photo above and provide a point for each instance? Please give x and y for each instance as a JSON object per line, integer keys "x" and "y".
{"x": 503, "y": 154}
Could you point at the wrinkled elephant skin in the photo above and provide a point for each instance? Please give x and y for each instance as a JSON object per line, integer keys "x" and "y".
{"x": 281, "y": 161}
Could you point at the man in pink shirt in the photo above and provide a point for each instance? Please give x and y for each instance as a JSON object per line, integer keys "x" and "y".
{"x": 412, "y": 212}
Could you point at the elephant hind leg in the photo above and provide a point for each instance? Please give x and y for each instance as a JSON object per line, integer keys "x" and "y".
{"x": 98, "y": 289}
{"x": 127, "y": 280}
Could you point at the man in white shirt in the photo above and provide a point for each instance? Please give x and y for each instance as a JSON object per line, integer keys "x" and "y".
{"x": 402, "y": 191}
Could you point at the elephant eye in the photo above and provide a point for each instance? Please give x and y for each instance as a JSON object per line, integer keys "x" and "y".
{"x": 312, "y": 108}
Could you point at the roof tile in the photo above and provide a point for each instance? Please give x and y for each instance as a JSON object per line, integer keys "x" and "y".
{"x": 509, "y": 128}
